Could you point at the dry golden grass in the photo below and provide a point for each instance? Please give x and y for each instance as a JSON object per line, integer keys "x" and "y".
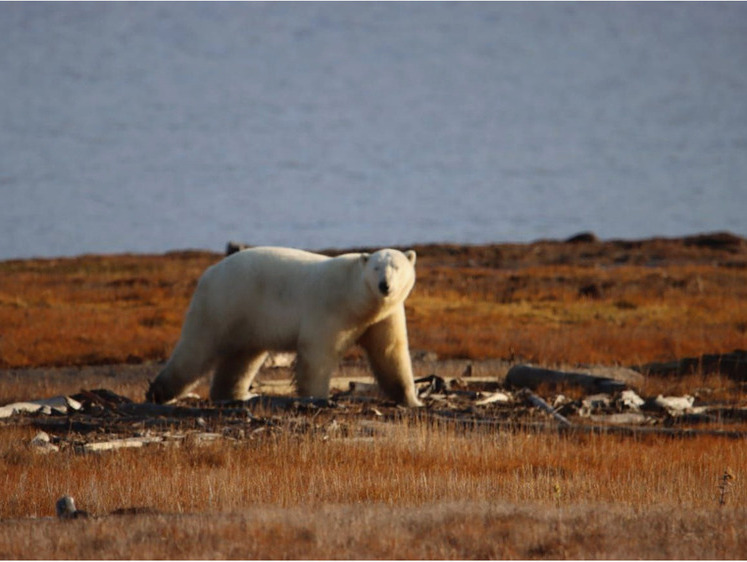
{"x": 95, "y": 309}
{"x": 412, "y": 464}
{"x": 488, "y": 530}
{"x": 417, "y": 491}
{"x": 543, "y": 314}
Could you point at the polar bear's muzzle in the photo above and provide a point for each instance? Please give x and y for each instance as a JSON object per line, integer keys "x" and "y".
{"x": 384, "y": 288}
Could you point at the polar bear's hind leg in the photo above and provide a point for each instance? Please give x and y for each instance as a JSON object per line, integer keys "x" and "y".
{"x": 314, "y": 368}
{"x": 234, "y": 375}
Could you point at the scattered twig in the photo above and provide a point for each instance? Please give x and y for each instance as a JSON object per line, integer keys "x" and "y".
{"x": 537, "y": 402}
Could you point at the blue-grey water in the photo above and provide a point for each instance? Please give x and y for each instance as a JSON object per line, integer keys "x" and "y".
{"x": 147, "y": 127}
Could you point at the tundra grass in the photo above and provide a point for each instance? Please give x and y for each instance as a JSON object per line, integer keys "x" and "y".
{"x": 129, "y": 309}
{"x": 419, "y": 490}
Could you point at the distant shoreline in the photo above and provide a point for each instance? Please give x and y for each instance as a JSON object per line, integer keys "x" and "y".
{"x": 714, "y": 240}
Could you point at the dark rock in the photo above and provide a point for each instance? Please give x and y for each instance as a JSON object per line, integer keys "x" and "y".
{"x": 582, "y": 238}
{"x": 65, "y": 508}
{"x": 592, "y": 291}
{"x": 233, "y": 247}
{"x": 733, "y": 365}
{"x": 715, "y": 240}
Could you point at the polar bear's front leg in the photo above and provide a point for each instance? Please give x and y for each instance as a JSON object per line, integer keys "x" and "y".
{"x": 389, "y": 355}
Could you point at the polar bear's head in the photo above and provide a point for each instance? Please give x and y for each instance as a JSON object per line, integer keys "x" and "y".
{"x": 390, "y": 274}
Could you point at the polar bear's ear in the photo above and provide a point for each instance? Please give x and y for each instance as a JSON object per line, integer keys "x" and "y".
{"x": 411, "y": 255}
{"x": 364, "y": 258}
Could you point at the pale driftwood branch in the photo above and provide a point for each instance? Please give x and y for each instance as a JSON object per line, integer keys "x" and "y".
{"x": 56, "y": 404}
{"x": 20, "y": 407}
{"x": 126, "y": 443}
{"x": 622, "y": 418}
{"x": 537, "y": 402}
{"x": 493, "y": 398}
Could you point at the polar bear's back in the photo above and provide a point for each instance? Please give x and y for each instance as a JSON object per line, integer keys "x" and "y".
{"x": 261, "y": 276}
{"x": 266, "y": 262}
{"x": 270, "y": 261}
{"x": 261, "y": 294}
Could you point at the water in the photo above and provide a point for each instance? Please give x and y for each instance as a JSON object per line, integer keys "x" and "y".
{"x": 147, "y": 127}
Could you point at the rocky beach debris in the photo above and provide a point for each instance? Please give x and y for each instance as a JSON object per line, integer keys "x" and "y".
{"x": 56, "y": 404}
{"x": 594, "y": 399}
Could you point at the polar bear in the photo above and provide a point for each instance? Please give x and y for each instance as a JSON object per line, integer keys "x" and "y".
{"x": 280, "y": 299}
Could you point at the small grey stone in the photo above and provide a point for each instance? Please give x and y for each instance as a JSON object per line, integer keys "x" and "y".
{"x": 65, "y": 508}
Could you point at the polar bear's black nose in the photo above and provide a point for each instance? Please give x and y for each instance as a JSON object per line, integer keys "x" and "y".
{"x": 384, "y": 288}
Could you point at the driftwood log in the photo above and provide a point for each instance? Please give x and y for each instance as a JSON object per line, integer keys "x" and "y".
{"x": 528, "y": 376}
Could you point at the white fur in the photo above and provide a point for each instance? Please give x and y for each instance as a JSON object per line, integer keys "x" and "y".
{"x": 281, "y": 299}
